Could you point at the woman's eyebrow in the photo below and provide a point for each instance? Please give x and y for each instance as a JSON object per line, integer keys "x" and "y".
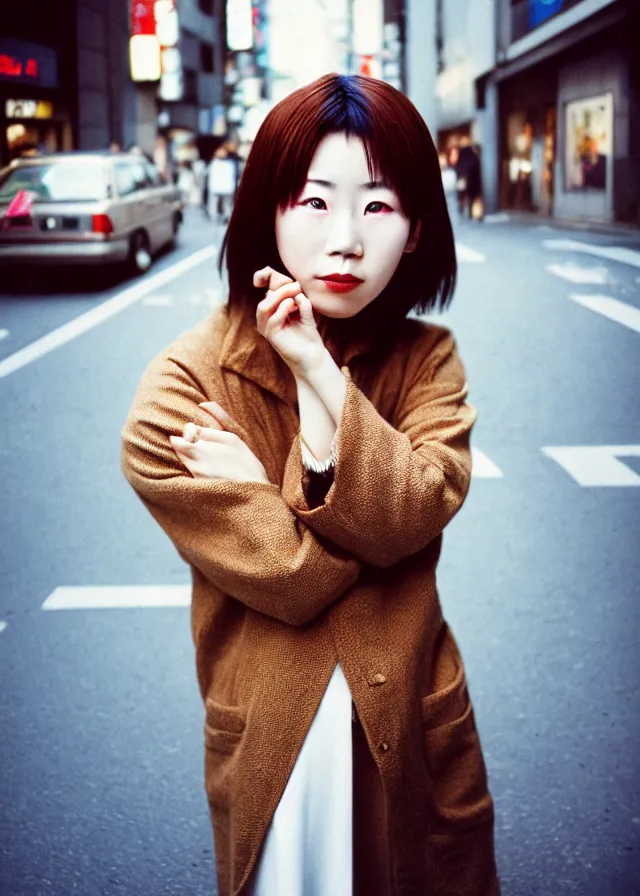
{"x": 370, "y": 185}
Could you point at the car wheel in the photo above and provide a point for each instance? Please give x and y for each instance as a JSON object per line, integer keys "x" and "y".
{"x": 139, "y": 253}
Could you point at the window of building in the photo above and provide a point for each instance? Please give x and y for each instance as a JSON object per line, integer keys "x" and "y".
{"x": 190, "y": 84}
{"x": 206, "y": 6}
{"x": 206, "y": 58}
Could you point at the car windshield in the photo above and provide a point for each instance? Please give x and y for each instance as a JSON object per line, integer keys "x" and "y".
{"x": 55, "y": 182}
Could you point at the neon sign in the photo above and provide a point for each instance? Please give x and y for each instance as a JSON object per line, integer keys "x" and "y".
{"x": 25, "y": 62}
{"x": 16, "y": 68}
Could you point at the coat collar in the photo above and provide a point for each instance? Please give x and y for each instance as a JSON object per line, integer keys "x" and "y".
{"x": 247, "y": 352}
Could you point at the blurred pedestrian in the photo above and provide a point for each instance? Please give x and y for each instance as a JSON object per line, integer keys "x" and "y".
{"x": 304, "y": 449}
{"x": 469, "y": 182}
{"x": 222, "y": 180}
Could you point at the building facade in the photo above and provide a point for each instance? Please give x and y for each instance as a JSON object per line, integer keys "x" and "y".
{"x": 65, "y": 79}
{"x": 549, "y": 90}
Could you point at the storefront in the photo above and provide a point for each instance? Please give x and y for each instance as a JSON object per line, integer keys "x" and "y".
{"x": 34, "y": 116}
{"x": 567, "y": 131}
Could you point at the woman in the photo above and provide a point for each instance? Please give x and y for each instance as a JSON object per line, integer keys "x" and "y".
{"x": 304, "y": 449}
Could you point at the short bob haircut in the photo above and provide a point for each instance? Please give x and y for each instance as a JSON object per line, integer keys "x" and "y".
{"x": 399, "y": 149}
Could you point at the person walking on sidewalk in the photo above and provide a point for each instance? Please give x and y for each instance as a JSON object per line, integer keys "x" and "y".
{"x": 304, "y": 448}
{"x": 222, "y": 181}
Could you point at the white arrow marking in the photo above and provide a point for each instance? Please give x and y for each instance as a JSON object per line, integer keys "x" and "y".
{"x": 110, "y": 597}
{"x": 469, "y": 255}
{"x": 614, "y": 253}
{"x": 597, "y": 466}
{"x": 614, "y": 309}
{"x": 575, "y": 274}
{"x": 482, "y": 467}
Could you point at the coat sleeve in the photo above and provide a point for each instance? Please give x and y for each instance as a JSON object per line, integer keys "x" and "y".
{"x": 242, "y": 536}
{"x": 395, "y": 489}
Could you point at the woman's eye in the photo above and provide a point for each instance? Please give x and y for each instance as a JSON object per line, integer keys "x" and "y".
{"x": 314, "y": 202}
{"x": 378, "y": 207}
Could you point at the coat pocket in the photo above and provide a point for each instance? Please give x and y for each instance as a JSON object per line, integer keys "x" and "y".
{"x": 223, "y": 730}
{"x": 459, "y": 794}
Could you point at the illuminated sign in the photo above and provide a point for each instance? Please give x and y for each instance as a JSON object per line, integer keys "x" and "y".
{"x": 28, "y": 109}
{"x": 24, "y": 62}
{"x": 144, "y": 47}
{"x": 143, "y": 20}
{"x": 239, "y": 25}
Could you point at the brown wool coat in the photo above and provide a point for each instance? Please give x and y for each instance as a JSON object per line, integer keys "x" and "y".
{"x": 282, "y": 592}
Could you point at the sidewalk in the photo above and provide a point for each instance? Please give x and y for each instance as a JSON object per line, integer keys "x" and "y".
{"x": 627, "y": 233}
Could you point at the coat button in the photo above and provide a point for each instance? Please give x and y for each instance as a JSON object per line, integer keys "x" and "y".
{"x": 377, "y": 678}
{"x": 383, "y": 747}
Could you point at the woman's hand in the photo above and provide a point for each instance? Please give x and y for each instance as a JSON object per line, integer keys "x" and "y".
{"x": 212, "y": 452}
{"x": 285, "y": 318}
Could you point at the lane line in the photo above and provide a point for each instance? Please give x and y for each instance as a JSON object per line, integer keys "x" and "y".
{"x": 466, "y": 254}
{"x": 575, "y": 274}
{"x": 98, "y": 315}
{"x": 597, "y": 466}
{"x": 613, "y": 253}
{"x": 614, "y": 309}
{"x": 482, "y": 467}
{"x": 3, "y": 625}
{"x": 110, "y": 597}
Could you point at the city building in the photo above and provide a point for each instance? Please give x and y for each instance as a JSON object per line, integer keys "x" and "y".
{"x": 69, "y": 78}
{"x": 548, "y": 89}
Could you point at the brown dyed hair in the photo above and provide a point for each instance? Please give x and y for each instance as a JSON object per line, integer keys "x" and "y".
{"x": 398, "y": 147}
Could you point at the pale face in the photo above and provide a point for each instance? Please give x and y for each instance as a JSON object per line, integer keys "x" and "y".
{"x": 345, "y": 226}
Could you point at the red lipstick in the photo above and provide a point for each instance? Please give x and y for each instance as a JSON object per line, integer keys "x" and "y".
{"x": 341, "y": 282}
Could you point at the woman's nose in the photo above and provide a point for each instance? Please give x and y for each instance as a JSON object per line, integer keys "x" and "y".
{"x": 344, "y": 237}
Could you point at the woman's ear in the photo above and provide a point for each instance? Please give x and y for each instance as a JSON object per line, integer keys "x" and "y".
{"x": 414, "y": 237}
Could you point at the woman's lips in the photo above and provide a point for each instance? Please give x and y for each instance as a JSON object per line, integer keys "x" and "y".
{"x": 340, "y": 284}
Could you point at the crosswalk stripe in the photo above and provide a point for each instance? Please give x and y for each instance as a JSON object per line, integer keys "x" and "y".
{"x": 612, "y": 253}
{"x": 468, "y": 255}
{"x": 614, "y": 309}
{"x": 597, "y": 465}
{"x": 574, "y": 273}
{"x": 109, "y": 597}
{"x": 482, "y": 467}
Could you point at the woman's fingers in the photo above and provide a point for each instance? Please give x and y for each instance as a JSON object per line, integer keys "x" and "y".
{"x": 272, "y": 300}
{"x": 267, "y": 278}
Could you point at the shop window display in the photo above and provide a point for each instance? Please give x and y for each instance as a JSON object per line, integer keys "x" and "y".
{"x": 589, "y": 142}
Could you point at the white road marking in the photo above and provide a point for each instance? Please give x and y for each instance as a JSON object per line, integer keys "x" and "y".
{"x": 497, "y": 218}
{"x": 4, "y": 334}
{"x": 112, "y": 597}
{"x": 3, "y": 625}
{"x": 468, "y": 255}
{"x": 614, "y": 309}
{"x": 161, "y": 301}
{"x": 482, "y": 467}
{"x": 101, "y": 313}
{"x": 576, "y": 274}
{"x": 613, "y": 253}
{"x": 597, "y": 466}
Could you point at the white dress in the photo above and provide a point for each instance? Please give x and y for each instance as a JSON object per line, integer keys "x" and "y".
{"x": 308, "y": 849}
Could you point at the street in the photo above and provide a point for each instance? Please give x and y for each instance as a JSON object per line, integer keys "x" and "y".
{"x": 101, "y": 747}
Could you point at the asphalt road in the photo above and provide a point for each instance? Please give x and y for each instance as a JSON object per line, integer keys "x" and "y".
{"x": 100, "y": 721}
